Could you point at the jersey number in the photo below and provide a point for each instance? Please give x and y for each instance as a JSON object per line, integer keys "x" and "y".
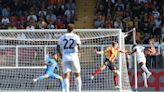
{"x": 68, "y": 44}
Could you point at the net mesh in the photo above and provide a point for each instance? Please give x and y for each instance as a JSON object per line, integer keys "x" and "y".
{"x": 23, "y": 53}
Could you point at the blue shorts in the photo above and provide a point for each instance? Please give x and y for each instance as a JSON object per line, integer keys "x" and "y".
{"x": 52, "y": 75}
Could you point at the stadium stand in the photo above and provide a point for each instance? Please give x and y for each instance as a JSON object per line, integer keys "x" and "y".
{"x": 145, "y": 15}
{"x": 38, "y": 14}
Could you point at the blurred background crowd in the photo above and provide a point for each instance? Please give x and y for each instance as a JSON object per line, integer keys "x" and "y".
{"x": 147, "y": 16}
{"x": 36, "y": 14}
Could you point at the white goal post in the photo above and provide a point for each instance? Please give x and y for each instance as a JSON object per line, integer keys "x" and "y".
{"x": 23, "y": 52}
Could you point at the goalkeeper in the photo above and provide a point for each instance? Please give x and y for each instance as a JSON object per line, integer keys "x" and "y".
{"x": 51, "y": 66}
{"x": 111, "y": 54}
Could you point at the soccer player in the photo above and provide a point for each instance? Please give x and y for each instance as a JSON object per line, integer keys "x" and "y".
{"x": 111, "y": 54}
{"x": 142, "y": 62}
{"x": 69, "y": 48}
{"x": 49, "y": 71}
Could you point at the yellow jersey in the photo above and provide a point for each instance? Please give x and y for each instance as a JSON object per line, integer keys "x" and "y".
{"x": 111, "y": 53}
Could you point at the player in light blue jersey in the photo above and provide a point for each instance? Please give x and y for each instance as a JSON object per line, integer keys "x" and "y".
{"x": 51, "y": 66}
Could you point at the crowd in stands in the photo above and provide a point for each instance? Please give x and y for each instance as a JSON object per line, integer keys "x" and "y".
{"x": 36, "y": 14}
{"x": 147, "y": 16}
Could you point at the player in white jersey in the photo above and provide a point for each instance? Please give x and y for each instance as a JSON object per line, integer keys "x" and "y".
{"x": 142, "y": 62}
{"x": 69, "y": 48}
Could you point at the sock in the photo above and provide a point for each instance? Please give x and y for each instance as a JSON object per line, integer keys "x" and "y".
{"x": 145, "y": 79}
{"x": 144, "y": 68}
{"x": 97, "y": 72}
{"x": 115, "y": 80}
{"x": 62, "y": 85}
{"x": 66, "y": 84}
{"x": 78, "y": 84}
{"x": 40, "y": 78}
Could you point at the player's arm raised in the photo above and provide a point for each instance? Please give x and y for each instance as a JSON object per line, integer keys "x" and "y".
{"x": 134, "y": 50}
{"x": 123, "y": 51}
{"x": 98, "y": 52}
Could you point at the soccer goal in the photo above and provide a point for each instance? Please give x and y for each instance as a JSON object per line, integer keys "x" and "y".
{"x": 23, "y": 52}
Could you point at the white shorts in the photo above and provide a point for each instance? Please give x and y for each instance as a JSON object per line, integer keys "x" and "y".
{"x": 71, "y": 63}
{"x": 141, "y": 60}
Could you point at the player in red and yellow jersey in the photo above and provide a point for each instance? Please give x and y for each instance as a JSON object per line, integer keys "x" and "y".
{"x": 110, "y": 54}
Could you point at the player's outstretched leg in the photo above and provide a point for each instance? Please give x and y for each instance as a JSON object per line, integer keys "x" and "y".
{"x": 40, "y": 78}
{"x": 56, "y": 76}
{"x": 62, "y": 83}
{"x": 144, "y": 68}
{"x": 145, "y": 79}
{"x": 98, "y": 71}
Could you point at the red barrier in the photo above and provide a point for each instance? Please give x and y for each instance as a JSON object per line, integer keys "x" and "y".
{"x": 156, "y": 74}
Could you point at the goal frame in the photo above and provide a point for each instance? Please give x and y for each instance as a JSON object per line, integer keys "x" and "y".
{"x": 120, "y": 36}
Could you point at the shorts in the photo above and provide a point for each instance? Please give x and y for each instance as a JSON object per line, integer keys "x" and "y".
{"x": 53, "y": 75}
{"x": 141, "y": 60}
{"x": 110, "y": 65}
{"x": 71, "y": 64}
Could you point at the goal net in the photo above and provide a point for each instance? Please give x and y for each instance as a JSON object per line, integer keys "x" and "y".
{"x": 23, "y": 53}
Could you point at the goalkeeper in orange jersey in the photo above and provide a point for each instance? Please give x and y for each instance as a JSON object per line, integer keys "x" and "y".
{"x": 110, "y": 54}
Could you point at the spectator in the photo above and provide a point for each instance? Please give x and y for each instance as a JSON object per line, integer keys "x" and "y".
{"x": 145, "y": 38}
{"x": 50, "y": 26}
{"x": 59, "y": 24}
{"x": 108, "y": 24}
{"x": 31, "y": 25}
{"x": 23, "y": 20}
{"x": 156, "y": 13}
{"x": 32, "y": 15}
{"x": 41, "y": 23}
{"x": 136, "y": 22}
{"x": 11, "y": 26}
{"x": 68, "y": 14}
{"x": 157, "y": 24}
{"x": 42, "y": 13}
{"x": 119, "y": 6}
{"x": 5, "y": 20}
{"x": 51, "y": 17}
{"x": 128, "y": 22}
{"x": 152, "y": 49}
{"x": 6, "y": 11}
{"x": 151, "y": 54}
{"x": 162, "y": 31}
{"x": 14, "y": 20}
{"x": 118, "y": 23}
{"x": 99, "y": 22}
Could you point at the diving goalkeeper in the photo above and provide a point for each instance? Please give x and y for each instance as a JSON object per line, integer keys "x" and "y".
{"x": 51, "y": 65}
